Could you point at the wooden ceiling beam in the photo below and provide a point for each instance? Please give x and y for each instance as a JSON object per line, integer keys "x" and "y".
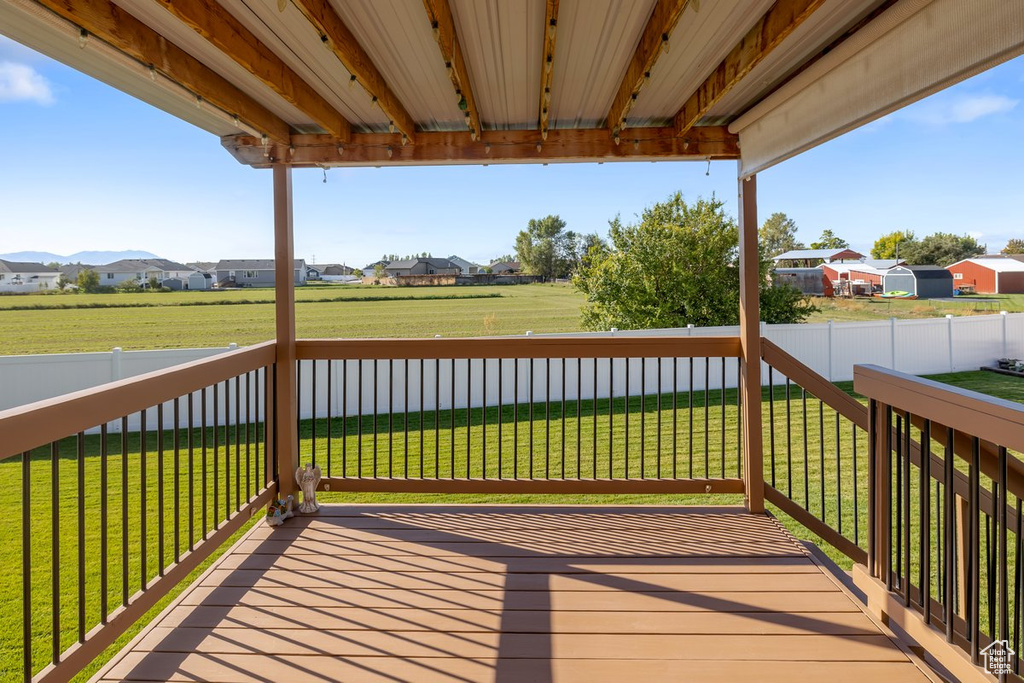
{"x": 770, "y": 30}
{"x": 337, "y": 36}
{"x": 443, "y": 24}
{"x": 547, "y": 69}
{"x": 226, "y": 33}
{"x": 507, "y": 146}
{"x": 659, "y": 27}
{"x": 119, "y": 29}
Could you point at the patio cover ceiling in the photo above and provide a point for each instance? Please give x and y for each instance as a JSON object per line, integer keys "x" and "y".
{"x": 391, "y": 82}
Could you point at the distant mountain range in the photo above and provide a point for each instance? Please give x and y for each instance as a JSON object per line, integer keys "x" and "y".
{"x": 93, "y": 258}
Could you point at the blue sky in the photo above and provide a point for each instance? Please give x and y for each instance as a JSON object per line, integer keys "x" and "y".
{"x": 88, "y": 167}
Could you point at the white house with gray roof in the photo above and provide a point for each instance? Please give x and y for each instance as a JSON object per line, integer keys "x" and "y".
{"x": 422, "y": 266}
{"x": 467, "y": 267}
{"x": 26, "y": 277}
{"x": 254, "y": 272}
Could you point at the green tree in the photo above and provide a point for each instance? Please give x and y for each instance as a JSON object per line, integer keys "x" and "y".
{"x": 942, "y": 249}
{"x": 379, "y": 272}
{"x": 677, "y": 266}
{"x": 829, "y": 240}
{"x": 777, "y": 235}
{"x": 88, "y": 281}
{"x": 892, "y": 245}
{"x": 129, "y": 287}
{"x": 1014, "y": 246}
{"x": 546, "y": 248}
{"x": 358, "y": 272}
{"x": 53, "y": 264}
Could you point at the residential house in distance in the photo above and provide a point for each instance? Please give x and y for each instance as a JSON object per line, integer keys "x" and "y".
{"x": 254, "y": 272}
{"x": 370, "y": 268}
{"x": 811, "y": 258}
{"x": 506, "y": 267}
{"x": 70, "y": 271}
{"x": 141, "y": 271}
{"x": 27, "y": 277}
{"x": 467, "y": 267}
{"x": 204, "y": 267}
{"x": 989, "y": 275}
{"x": 422, "y": 266}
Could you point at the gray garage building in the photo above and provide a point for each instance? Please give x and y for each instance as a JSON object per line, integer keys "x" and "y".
{"x": 926, "y": 282}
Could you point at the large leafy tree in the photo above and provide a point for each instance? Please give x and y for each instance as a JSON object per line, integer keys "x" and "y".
{"x": 677, "y": 266}
{"x": 1014, "y": 246}
{"x": 942, "y": 249}
{"x": 893, "y": 245}
{"x": 829, "y": 240}
{"x": 546, "y": 248}
{"x": 777, "y": 235}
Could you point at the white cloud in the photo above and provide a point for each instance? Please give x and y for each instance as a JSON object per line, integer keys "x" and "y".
{"x": 22, "y": 83}
{"x": 963, "y": 109}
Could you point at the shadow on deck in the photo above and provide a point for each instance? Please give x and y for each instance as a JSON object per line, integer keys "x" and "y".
{"x": 517, "y": 593}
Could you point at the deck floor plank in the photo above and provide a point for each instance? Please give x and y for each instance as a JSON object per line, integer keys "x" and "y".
{"x": 491, "y": 593}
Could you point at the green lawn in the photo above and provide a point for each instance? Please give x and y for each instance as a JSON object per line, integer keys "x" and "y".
{"x": 46, "y": 324}
{"x": 714, "y": 439}
{"x": 355, "y": 312}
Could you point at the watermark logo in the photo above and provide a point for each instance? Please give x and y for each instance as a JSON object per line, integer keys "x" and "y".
{"x": 998, "y": 658}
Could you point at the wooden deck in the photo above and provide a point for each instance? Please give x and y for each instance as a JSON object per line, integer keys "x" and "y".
{"x": 425, "y": 593}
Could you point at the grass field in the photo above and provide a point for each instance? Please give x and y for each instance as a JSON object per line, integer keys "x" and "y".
{"x": 830, "y": 477}
{"x": 48, "y": 324}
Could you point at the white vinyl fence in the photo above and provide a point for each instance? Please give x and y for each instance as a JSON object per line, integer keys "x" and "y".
{"x": 928, "y": 346}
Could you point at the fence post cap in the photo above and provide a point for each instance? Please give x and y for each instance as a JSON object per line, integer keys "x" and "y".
{"x": 437, "y": 336}
{"x": 949, "y": 316}
{"x": 529, "y": 333}
{"x": 116, "y": 349}
{"x": 1003, "y": 312}
{"x": 232, "y": 346}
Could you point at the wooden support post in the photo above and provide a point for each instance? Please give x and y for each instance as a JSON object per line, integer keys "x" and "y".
{"x": 286, "y": 437}
{"x": 750, "y": 344}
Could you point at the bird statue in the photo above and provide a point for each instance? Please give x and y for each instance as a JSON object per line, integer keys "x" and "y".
{"x": 308, "y": 478}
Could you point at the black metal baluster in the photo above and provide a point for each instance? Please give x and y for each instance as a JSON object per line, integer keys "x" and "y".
{"x": 298, "y": 401}
{"x": 124, "y": 512}
{"x": 330, "y": 412}
{"x": 55, "y": 648}
{"x": 707, "y": 421}
{"x": 807, "y": 469}
{"x": 579, "y": 418}
{"x": 26, "y": 568}
{"x": 191, "y": 472}
{"x": 593, "y": 454}
{"x": 483, "y": 417}
{"x": 1018, "y": 594}
{"x": 739, "y": 419}
{"x": 238, "y": 441}
{"x": 689, "y": 409}
{"x": 160, "y": 488}
{"x": 216, "y": 456}
{"x": 854, "y": 485}
{"x": 227, "y": 449}
{"x": 391, "y": 418}
{"x": 974, "y": 599}
{"x": 344, "y": 418}
{"x": 721, "y": 392}
{"x": 437, "y": 418}
{"x": 143, "y": 508}
{"x": 925, "y": 582}
{"x": 611, "y": 413}
{"x": 531, "y": 375}
{"x": 657, "y": 471}
{"x": 359, "y": 419}
{"x": 515, "y": 418}
{"x": 405, "y": 418}
{"x": 789, "y": 440}
{"x": 821, "y": 460}
{"x": 1004, "y": 594}
{"x": 177, "y": 479}
{"x": 469, "y": 413}
{"x": 625, "y": 420}
{"x": 948, "y": 499}
{"x": 104, "y": 496}
{"x": 771, "y": 421}
{"x": 421, "y": 428}
{"x": 898, "y": 537}
{"x": 312, "y": 405}
{"x": 501, "y": 414}
{"x": 907, "y": 478}
{"x": 376, "y": 398}
{"x": 547, "y": 418}
{"x": 643, "y": 416}
{"x": 562, "y": 365}
{"x": 675, "y": 418}
{"x": 452, "y": 420}
{"x": 80, "y": 483}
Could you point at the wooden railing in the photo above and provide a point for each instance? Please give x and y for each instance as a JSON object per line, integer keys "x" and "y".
{"x": 124, "y": 490}
{"x": 523, "y": 415}
{"x": 945, "y": 526}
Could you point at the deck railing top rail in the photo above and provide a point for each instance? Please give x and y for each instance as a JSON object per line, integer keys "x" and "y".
{"x": 995, "y": 420}
{"x": 519, "y": 347}
{"x": 29, "y": 426}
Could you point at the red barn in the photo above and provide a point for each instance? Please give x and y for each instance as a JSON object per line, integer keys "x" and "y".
{"x": 991, "y": 275}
